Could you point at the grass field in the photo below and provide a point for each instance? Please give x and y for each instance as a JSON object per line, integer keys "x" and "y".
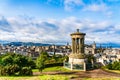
{"x": 41, "y": 77}
{"x": 115, "y": 71}
{"x": 53, "y": 77}
{"x": 51, "y": 69}
{"x": 101, "y": 79}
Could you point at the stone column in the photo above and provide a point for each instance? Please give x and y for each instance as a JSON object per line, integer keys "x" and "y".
{"x": 79, "y": 45}
{"x": 75, "y": 45}
{"x": 84, "y": 66}
{"x": 72, "y": 45}
{"x": 72, "y": 66}
{"x": 82, "y": 45}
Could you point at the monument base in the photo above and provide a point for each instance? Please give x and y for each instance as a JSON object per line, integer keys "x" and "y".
{"x": 76, "y": 62}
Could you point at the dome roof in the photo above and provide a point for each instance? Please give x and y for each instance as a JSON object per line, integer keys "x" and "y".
{"x": 77, "y": 33}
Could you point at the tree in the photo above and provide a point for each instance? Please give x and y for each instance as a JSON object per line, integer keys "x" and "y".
{"x": 40, "y": 63}
{"x": 90, "y": 58}
{"x": 114, "y": 66}
{"x": 12, "y": 64}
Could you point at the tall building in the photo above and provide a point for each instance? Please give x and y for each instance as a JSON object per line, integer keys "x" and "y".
{"x": 94, "y": 48}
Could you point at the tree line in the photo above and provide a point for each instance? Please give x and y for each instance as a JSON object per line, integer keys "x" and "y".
{"x": 13, "y": 64}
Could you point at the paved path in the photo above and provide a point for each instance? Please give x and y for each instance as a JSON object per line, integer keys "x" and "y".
{"x": 97, "y": 73}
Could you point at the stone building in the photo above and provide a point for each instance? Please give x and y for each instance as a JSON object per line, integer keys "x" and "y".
{"x": 94, "y": 48}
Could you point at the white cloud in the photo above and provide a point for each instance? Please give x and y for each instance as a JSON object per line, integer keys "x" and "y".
{"x": 80, "y": 4}
{"x": 92, "y": 6}
{"x": 95, "y": 7}
{"x": 71, "y": 4}
{"x": 52, "y": 30}
{"x": 109, "y": 14}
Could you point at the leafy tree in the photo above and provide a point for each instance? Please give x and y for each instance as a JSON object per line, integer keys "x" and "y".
{"x": 14, "y": 63}
{"x": 26, "y": 71}
{"x": 40, "y": 63}
{"x": 90, "y": 58}
{"x": 114, "y": 66}
{"x": 7, "y": 60}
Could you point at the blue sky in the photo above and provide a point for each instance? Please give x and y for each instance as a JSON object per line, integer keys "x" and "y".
{"x": 54, "y": 20}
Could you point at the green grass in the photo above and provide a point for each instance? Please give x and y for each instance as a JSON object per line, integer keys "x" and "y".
{"x": 15, "y": 78}
{"x": 115, "y": 71}
{"x": 52, "y": 69}
{"x": 53, "y": 77}
{"x": 41, "y": 77}
{"x": 101, "y": 79}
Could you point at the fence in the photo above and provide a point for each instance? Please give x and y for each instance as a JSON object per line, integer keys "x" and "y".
{"x": 74, "y": 66}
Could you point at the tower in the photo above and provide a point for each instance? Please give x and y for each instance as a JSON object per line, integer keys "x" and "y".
{"x": 77, "y": 57}
{"x": 94, "y": 48}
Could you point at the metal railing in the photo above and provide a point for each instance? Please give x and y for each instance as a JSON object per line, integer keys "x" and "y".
{"x": 74, "y": 66}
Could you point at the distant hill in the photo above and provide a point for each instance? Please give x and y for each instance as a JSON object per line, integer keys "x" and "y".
{"x": 104, "y": 45}
{"x": 25, "y": 44}
{"x": 109, "y": 45}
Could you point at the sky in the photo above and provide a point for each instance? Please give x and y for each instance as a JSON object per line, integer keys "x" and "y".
{"x": 52, "y": 21}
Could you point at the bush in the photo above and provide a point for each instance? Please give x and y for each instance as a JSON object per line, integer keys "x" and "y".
{"x": 2, "y": 71}
{"x": 9, "y": 70}
{"x": 26, "y": 71}
{"x": 109, "y": 66}
{"x": 44, "y": 60}
{"x": 14, "y": 64}
{"x": 53, "y": 64}
{"x": 113, "y": 66}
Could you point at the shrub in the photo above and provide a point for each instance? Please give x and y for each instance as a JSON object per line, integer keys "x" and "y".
{"x": 26, "y": 71}
{"x": 53, "y": 64}
{"x": 9, "y": 70}
{"x": 14, "y": 64}
{"x": 109, "y": 66}
{"x": 114, "y": 66}
{"x": 2, "y": 71}
{"x": 7, "y": 60}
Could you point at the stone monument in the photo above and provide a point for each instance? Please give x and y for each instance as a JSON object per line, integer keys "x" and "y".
{"x": 77, "y": 57}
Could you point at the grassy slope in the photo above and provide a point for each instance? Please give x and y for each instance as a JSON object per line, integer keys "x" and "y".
{"x": 51, "y": 69}
{"x": 42, "y": 77}
{"x": 52, "y": 77}
{"x": 101, "y": 79}
{"x": 115, "y": 71}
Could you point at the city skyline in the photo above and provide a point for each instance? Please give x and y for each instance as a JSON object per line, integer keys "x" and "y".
{"x": 54, "y": 20}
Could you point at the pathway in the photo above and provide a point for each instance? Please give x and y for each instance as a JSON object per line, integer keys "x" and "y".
{"x": 97, "y": 73}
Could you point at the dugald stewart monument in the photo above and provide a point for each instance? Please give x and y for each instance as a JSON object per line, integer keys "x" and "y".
{"x": 77, "y": 60}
